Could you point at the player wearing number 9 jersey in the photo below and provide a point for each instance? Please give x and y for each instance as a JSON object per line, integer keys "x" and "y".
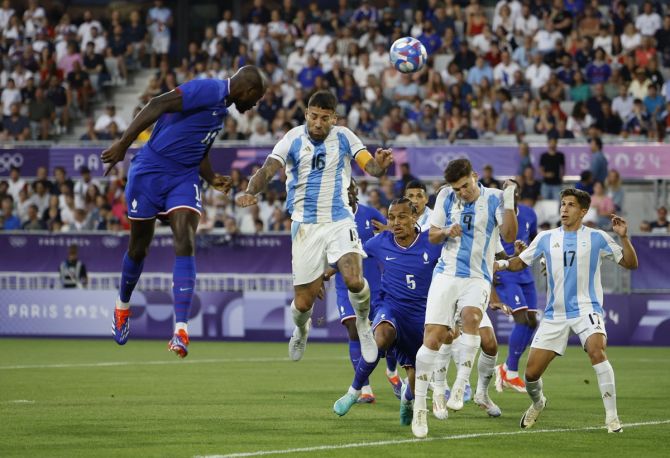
{"x": 164, "y": 179}
{"x": 573, "y": 253}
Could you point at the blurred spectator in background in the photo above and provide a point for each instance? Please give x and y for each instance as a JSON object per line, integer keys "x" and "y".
{"x": 11, "y": 222}
{"x": 615, "y": 189}
{"x": 660, "y": 225}
{"x": 530, "y": 187}
{"x": 603, "y": 205}
{"x": 552, "y": 169}
{"x": 598, "y": 160}
{"x": 72, "y": 271}
{"x": 487, "y": 180}
{"x": 585, "y": 182}
{"x": 110, "y": 116}
{"x": 159, "y": 21}
{"x": 15, "y": 126}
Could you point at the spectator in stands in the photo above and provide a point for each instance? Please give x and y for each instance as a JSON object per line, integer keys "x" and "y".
{"x": 487, "y": 179}
{"x": 15, "y": 126}
{"x": 661, "y": 225}
{"x": 530, "y": 188}
{"x": 638, "y": 122}
{"x": 585, "y": 182}
{"x": 598, "y": 160}
{"x": 72, "y": 271}
{"x": 159, "y": 21}
{"x": 61, "y": 100}
{"x": 80, "y": 88}
{"x": 32, "y": 222}
{"x": 105, "y": 119}
{"x": 580, "y": 120}
{"x": 510, "y": 122}
{"x": 639, "y": 87}
{"x": 40, "y": 196}
{"x": 42, "y": 114}
{"x": 10, "y": 95}
{"x": 615, "y": 190}
{"x": 622, "y": 105}
{"x": 552, "y": 169}
{"x": 260, "y": 135}
{"x": 609, "y": 122}
{"x": 11, "y": 222}
{"x": 603, "y": 204}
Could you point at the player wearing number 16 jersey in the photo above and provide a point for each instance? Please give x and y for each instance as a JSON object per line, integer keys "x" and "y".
{"x": 164, "y": 180}
{"x": 317, "y": 157}
{"x": 573, "y": 254}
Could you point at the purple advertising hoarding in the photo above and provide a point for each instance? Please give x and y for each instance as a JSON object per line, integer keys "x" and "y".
{"x": 103, "y": 253}
{"x": 631, "y": 319}
{"x": 653, "y": 251}
{"x": 633, "y": 161}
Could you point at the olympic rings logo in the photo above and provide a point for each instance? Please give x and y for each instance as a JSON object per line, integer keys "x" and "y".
{"x": 9, "y": 160}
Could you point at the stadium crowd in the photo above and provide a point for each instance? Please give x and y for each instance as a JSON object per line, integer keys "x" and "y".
{"x": 564, "y": 69}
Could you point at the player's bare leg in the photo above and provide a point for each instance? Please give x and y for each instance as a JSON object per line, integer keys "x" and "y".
{"x": 595, "y": 347}
{"x": 184, "y": 224}
{"x": 485, "y": 367}
{"x": 351, "y": 267}
{"x": 141, "y": 235}
{"x": 301, "y": 311}
{"x": 538, "y": 361}
{"x": 471, "y": 318}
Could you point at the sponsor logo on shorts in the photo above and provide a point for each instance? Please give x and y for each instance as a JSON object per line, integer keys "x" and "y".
{"x": 134, "y": 206}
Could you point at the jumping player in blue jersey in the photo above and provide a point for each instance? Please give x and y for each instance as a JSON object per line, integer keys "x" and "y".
{"x": 573, "y": 253}
{"x": 164, "y": 180}
{"x": 517, "y": 289}
{"x": 365, "y": 218}
{"x": 317, "y": 157}
{"x": 408, "y": 259}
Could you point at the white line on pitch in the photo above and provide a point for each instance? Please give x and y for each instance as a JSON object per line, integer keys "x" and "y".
{"x": 19, "y": 401}
{"x": 161, "y": 363}
{"x": 430, "y": 439}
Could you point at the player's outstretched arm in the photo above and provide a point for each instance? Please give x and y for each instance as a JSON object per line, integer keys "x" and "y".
{"x": 620, "y": 226}
{"x": 514, "y": 264}
{"x": 165, "y": 103}
{"x": 221, "y": 183}
{"x": 258, "y": 182}
{"x": 377, "y": 166}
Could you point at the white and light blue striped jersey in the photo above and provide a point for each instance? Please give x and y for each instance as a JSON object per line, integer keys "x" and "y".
{"x": 318, "y": 173}
{"x": 573, "y": 261}
{"x": 424, "y": 219}
{"x": 472, "y": 254}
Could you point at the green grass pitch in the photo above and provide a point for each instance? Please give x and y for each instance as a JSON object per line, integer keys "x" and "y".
{"x": 75, "y": 398}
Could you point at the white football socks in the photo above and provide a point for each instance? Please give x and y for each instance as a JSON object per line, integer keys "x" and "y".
{"x": 441, "y": 368}
{"x": 605, "y": 375}
{"x": 300, "y": 318}
{"x": 467, "y": 354}
{"x": 485, "y": 367}
{"x": 425, "y": 364}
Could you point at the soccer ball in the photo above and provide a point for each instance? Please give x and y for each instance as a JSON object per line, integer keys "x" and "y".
{"x": 407, "y": 55}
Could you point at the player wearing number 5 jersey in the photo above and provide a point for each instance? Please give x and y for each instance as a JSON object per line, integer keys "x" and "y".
{"x": 164, "y": 180}
{"x": 317, "y": 157}
{"x": 573, "y": 254}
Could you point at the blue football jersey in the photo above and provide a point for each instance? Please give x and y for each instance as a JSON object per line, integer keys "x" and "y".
{"x": 363, "y": 217}
{"x": 180, "y": 140}
{"x": 527, "y": 230}
{"x": 407, "y": 272}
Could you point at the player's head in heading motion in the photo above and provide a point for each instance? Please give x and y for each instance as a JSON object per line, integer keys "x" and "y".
{"x": 402, "y": 219}
{"x": 462, "y": 179}
{"x": 247, "y": 87}
{"x": 574, "y": 205}
{"x": 320, "y": 115}
{"x": 416, "y": 192}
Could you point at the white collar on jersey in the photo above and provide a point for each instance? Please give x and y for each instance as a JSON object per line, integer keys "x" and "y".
{"x": 418, "y": 233}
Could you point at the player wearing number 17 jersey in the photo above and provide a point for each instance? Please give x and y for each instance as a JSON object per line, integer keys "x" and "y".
{"x": 573, "y": 253}
{"x": 164, "y": 180}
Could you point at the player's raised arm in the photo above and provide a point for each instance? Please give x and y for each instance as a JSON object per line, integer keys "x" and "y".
{"x": 629, "y": 259}
{"x": 259, "y": 181}
{"x": 509, "y": 226}
{"x": 377, "y": 165}
{"x": 165, "y": 103}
